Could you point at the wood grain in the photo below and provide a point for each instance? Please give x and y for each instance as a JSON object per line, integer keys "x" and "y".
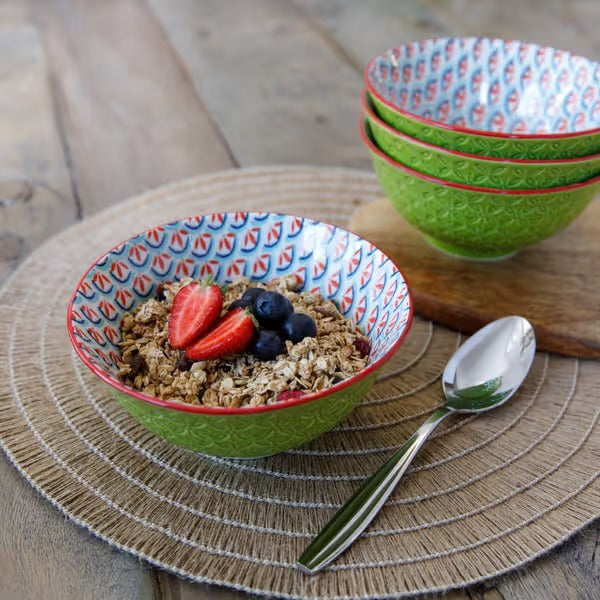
{"x": 123, "y": 123}
{"x": 552, "y": 283}
{"x": 576, "y": 576}
{"x": 45, "y": 557}
{"x": 42, "y": 555}
{"x": 171, "y": 587}
{"x": 129, "y": 103}
{"x": 365, "y": 29}
{"x": 276, "y": 89}
{"x": 35, "y": 192}
{"x": 130, "y": 114}
{"x": 554, "y": 23}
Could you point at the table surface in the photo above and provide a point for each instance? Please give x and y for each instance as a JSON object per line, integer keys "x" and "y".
{"x": 101, "y": 100}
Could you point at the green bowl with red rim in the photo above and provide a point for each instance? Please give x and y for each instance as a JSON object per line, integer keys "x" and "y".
{"x": 476, "y": 222}
{"x": 474, "y": 169}
{"x": 487, "y": 96}
{"x": 362, "y": 281}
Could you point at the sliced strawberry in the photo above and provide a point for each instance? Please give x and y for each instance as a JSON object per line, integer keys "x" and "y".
{"x": 231, "y": 334}
{"x": 195, "y": 309}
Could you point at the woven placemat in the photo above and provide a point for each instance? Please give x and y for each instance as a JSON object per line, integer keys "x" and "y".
{"x": 486, "y": 494}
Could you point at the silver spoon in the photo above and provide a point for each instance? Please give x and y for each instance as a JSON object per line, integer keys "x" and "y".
{"x": 483, "y": 374}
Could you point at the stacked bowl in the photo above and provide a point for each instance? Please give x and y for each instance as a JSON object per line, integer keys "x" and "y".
{"x": 485, "y": 145}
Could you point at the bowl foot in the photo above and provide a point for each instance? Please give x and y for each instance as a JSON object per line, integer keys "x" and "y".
{"x": 469, "y": 253}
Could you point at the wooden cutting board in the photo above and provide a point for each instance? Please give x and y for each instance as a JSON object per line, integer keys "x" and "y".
{"x": 555, "y": 284}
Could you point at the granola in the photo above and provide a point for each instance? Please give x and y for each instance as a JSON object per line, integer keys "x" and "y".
{"x": 151, "y": 365}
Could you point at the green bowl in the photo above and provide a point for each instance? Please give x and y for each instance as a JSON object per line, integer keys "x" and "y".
{"x": 492, "y": 97}
{"x": 250, "y": 433}
{"x": 526, "y": 148}
{"x": 477, "y": 222}
{"x": 365, "y": 284}
{"x": 473, "y": 169}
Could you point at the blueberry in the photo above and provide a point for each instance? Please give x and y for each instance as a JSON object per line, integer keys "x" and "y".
{"x": 272, "y": 309}
{"x": 240, "y": 304}
{"x": 251, "y": 294}
{"x": 298, "y": 326}
{"x": 267, "y": 345}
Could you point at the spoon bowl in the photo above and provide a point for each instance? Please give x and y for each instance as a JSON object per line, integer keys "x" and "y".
{"x": 483, "y": 374}
{"x": 487, "y": 369}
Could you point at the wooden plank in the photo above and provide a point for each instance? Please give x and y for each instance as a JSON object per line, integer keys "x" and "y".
{"x": 365, "y": 29}
{"x": 171, "y": 587}
{"x": 583, "y": 17}
{"x": 131, "y": 117}
{"x": 42, "y": 555}
{"x": 278, "y": 91}
{"x": 45, "y": 557}
{"x": 131, "y": 120}
{"x": 549, "y": 22}
{"x": 481, "y": 593}
{"x": 119, "y": 140}
{"x": 35, "y": 192}
{"x": 570, "y": 573}
{"x": 465, "y": 295}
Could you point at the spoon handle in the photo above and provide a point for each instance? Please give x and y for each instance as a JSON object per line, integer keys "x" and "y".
{"x": 352, "y": 519}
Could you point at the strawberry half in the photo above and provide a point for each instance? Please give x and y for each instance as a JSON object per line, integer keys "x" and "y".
{"x": 195, "y": 309}
{"x": 233, "y": 333}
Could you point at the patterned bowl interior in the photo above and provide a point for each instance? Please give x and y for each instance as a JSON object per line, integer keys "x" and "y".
{"x": 490, "y": 85}
{"x": 362, "y": 281}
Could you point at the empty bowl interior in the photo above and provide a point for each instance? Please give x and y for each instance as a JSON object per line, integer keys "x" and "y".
{"x": 490, "y": 85}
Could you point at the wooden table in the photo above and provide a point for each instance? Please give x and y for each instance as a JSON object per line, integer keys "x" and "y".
{"x": 103, "y": 99}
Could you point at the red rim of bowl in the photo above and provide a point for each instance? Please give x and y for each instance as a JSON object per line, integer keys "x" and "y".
{"x": 495, "y": 159}
{"x": 115, "y": 383}
{"x": 472, "y": 188}
{"x": 440, "y": 125}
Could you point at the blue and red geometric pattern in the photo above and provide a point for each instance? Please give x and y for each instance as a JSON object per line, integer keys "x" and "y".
{"x": 491, "y": 85}
{"x": 363, "y": 282}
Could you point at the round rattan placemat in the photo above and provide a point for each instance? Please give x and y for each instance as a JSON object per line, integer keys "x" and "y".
{"x": 486, "y": 494}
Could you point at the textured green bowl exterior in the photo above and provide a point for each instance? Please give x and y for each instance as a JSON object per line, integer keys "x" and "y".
{"x": 487, "y": 145}
{"x": 484, "y": 173}
{"x": 476, "y": 224}
{"x": 251, "y": 435}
